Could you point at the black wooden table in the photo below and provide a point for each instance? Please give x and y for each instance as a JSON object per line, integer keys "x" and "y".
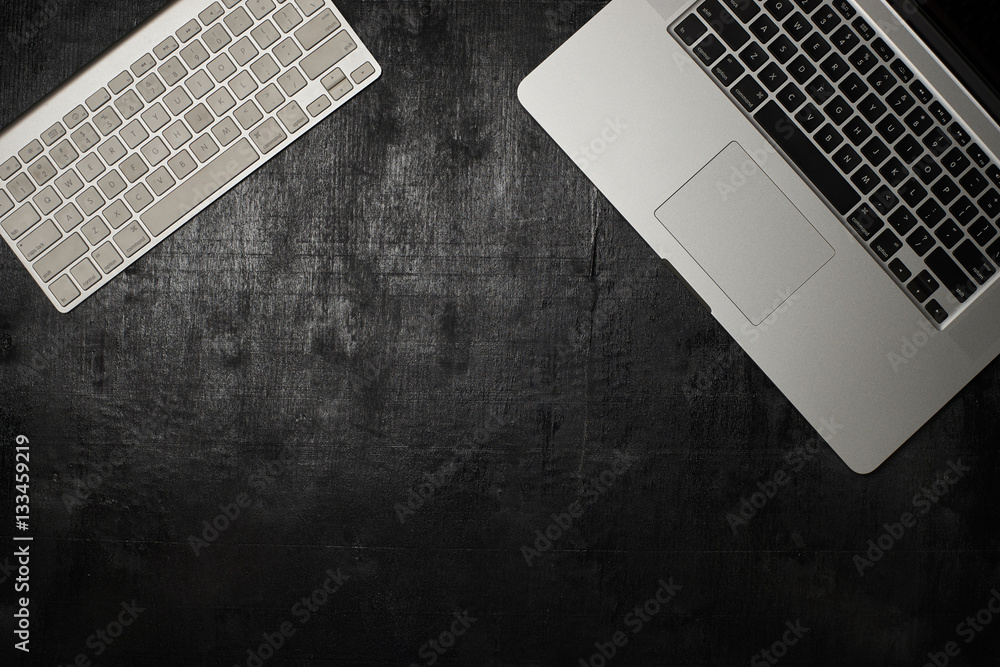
{"x": 415, "y": 393}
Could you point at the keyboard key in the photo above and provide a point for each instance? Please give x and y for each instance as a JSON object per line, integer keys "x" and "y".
{"x": 821, "y": 90}
{"x": 754, "y": 56}
{"x": 810, "y": 118}
{"x": 900, "y": 69}
{"x": 938, "y": 111}
{"x": 292, "y": 81}
{"x": 220, "y": 101}
{"x": 884, "y": 200}
{"x": 155, "y": 117}
{"x": 165, "y": 48}
{"x": 918, "y": 121}
{"x": 978, "y": 156}
{"x": 845, "y": 8}
{"x": 863, "y": 60}
{"x": 194, "y": 55}
{"x": 9, "y": 168}
{"x": 112, "y": 151}
{"x": 900, "y": 101}
{"x": 748, "y": 92}
{"x": 908, "y": 149}
{"x": 899, "y": 270}
{"x": 876, "y": 151}
{"x": 936, "y": 311}
{"x": 53, "y": 134}
{"x": 838, "y": 110}
{"x": 974, "y": 183}
{"x": 204, "y": 148}
{"x": 886, "y": 245}
{"x": 949, "y": 234}
{"x": 75, "y": 117}
{"x": 287, "y": 18}
{"x": 764, "y": 29}
{"x": 863, "y": 28}
{"x": 222, "y": 68}
{"x": 857, "y": 131}
{"x": 248, "y": 115}
{"x": 134, "y": 134}
{"x": 902, "y": 221}
{"x": 937, "y": 142}
{"x": 112, "y": 185}
{"x": 138, "y": 198}
{"x": 927, "y": 169}
{"x": 160, "y": 181}
{"x": 120, "y": 83}
{"x": 64, "y": 291}
{"x": 143, "y": 65}
{"x": 982, "y": 232}
{"x": 847, "y": 159}
{"x": 89, "y": 201}
{"x": 782, "y": 49}
{"x": 975, "y": 262}
{"x": 882, "y": 49}
{"x": 199, "y": 84}
{"x": 872, "y": 108}
{"x": 801, "y": 69}
{"x": 330, "y": 53}
{"x": 292, "y": 116}
{"x": 47, "y": 200}
{"x": 921, "y": 241}
{"x": 30, "y": 152}
{"x": 318, "y": 106}
{"x": 155, "y": 152}
{"x": 853, "y": 87}
{"x": 21, "y": 187}
{"x": 994, "y": 173}
{"x": 243, "y": 51}
{"x": 923, "y": 286}
{"x": 945, "y": 190}
{"x": 20, "y": 221}
{"x": 243, "y": 85}
{"x": 287, "y": 52}
{"x": 212, "y": 13}
{"x": 190, "y": 194}
{"x": 826, "y": 20}
{"x": 959, "y": 134}
{"x": 894, "y": 172}
{"x": 690, "y": 30}
{"x": 890, "y": 128}
{"x": 85, "y": 274}
{"x": 865, "y": 222}
{"x": 271, "y": 98}
{"x": 107, "y": 258}
{"x": 225, "y": 131}
{"x": 744, "y": 9}
{"x": 834, "y": 67}
{"x": 865, "y": 179}
{"x": 216, "y": 38}
{"x": 779, "y": 9}
{"x": 791, "y": 97}
{"x": 265, "y": 69}
{"x": 845, "y": 40}
{"x": 64, "y": 254}
{"x": 98, "y": 99}
{"x": 178, "y": 100}
{"x": 131, "y": 239}
{"x": 920, "y": 91}
{"x": 68, "y": 217}
{"x": 772, "y": 77}
{"x": 964, "y": 210}
{"x": 150, "y": 88}
{"x": 797, "y": 26}
{"x": 188, "y": 31}
{"x": 134, "y": 168}
{"x": 326, "y": 23}
{"x": 42, "y": 170}
{"x": 309, "y": 7}
{"x": 182, "y": 164}
{"x": 265, "y": 34}
{"x": 260, "y": 8}
{"x": 931, "y": 213}
{"x": 994, "y": 252}
{"x": 41, "y": 239}
{"x": 990, "y": 204}
{"x": 882, "y": 80}
{"x": 6, "y": 205}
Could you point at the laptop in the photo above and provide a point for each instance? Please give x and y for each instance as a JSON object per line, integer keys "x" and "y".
{"x": 823, "y": 175}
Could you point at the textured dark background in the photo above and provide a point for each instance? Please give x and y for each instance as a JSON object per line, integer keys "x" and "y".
{"x": 424, "y": 285}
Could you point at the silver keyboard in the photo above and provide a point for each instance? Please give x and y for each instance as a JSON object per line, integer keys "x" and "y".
{"x": 161, "y": 125}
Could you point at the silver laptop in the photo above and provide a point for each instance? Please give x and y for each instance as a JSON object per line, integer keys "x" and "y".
{"x": 824, "y": 177}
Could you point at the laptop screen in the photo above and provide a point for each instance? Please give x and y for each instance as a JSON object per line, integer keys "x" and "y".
{"x": 963, "y": 33}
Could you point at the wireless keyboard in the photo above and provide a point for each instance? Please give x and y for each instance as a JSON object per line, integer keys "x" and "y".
{"x": 904, "y": 173}
{"x": 163, "y": 124}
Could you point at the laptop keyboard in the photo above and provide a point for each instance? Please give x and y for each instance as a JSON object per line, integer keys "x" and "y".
{"x": 162, "y": 124}
{"x": 905, "y": 175}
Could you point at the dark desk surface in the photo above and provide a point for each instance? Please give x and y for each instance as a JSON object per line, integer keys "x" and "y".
{"x": 396, "y": 352}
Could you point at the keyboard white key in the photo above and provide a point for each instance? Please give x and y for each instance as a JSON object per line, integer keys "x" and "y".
{"x": 176, "y": 114}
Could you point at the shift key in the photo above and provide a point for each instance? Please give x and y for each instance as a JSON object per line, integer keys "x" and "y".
{"x": 328, "y": 55}
{"x": 722, "y": 22}
{"x": 63, "y": 255}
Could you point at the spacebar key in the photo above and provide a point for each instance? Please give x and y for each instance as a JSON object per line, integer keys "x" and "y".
{"x": 213, "y": 177}
{"x": 808, "y": 158}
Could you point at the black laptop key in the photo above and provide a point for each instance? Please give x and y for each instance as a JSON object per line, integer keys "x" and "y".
{"x": 828, "y": 138}
{"x": 902, "y": 221}
{"x": 931, "y": 213}
{"x": 938, "y": 111}
{"x": 921, "y": 241}
{"x": 865, "y": 179}
{"x": 835, "y": 67}
{"x": 865, "y": 222}
{"x": 845, "y": 40}
{"x": 956, "y": 162}
{"x": 886, "y": 245}
{"x": 724, "y": 23}
{"x": 872, "y": 108}
{"x": 918, "y": 121}
{"x": 754, "y": 56}
{"x": 994, "y": 251}
{"x": 937, "y": 142}
{"x": 772, "y": 77}
{"x": 809, "y": 118}
{"x": 989, "y": 203}
{"x": 847, "y": 159}
{"x": 857, "y": 131}
{"x": 690, "y": 30}
{"x": 959, "y": 134}
{"x": 901, "y": 70}
{"x": 882, "y": 80}
{"x": 884, "y": 200}
{"x": 876, "y": 151}
{"x": 945, "y": 190}
{"x": 791, "y": 97}
{"x": 899, "y": 270}
{"x": 808, "y": 6}
{"x": 764, "y": 28}
{"x": 779, "y": 9}
{"x": 853, "y": 87}
{"x": 815, "y": 46}
{"x": 927, "y": 169}
{"x": 912, "y": 192}
{"x": 923, "y": 286}
{"x": 797, "y": 26}
{"x": 993, "y": 172}
{"x": 845, "y": 8}
{"x": 964, "y": 210}
{"x": 839, "y": 110}
{"x": 863, "y": 60}
{"x": 894, "y": 172}
{"x": 883, "y": 50}
{"x": 863, "y": 28}
{"x": 900, "y": 101}
{"x": 974, "y": 182}
{"x": 816, "y": 167}
{"x": 744, "y": 9}
{"x": 935, "y": 310}
{"x": 709, "y": 49}
{"x": 749, "y": 93}
{"x": 728, "y": 70}
{"x": 908, "y": 149}
{"x": 975, "y": 262}
{"x": 891, "y": 128}
{"x": 826, "y": 20}
{"x": 920, "y": 91}
{"x": 949, "y": 234}
{"x": 782, "y": 49}
{"x": 820, "y": 90}
{"x": 801, "y": 69}
{"x": 982, "y": 232}
{"x": 950, "y": 275}
{"x": 978, "y": 155}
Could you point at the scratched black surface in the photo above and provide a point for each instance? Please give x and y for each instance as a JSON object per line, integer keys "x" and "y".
{"x": 424, "y": 285}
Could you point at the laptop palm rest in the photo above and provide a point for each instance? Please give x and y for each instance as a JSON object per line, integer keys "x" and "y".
{"x": 745, "y": 233}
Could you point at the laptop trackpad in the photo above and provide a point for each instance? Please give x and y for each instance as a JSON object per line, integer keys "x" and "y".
{"x": 745, "y": 233}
